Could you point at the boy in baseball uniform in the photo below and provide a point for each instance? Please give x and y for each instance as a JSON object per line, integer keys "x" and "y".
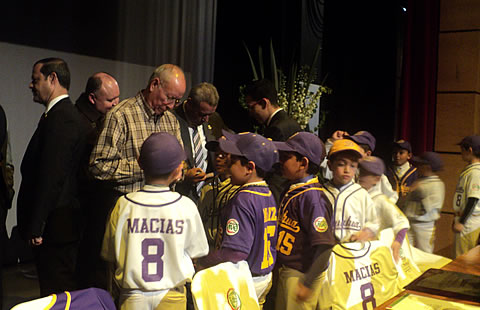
{"x": 371, "y": 170}
{"x": 249, "y": 221}
{"x": 153, "y": 234}
{"x": 305, "y": 233}
{"x": 401, "y": 173}
{"x": 424, "y": 201}
{"x": 354, "y": 210}
{"x": 465, "y": 201}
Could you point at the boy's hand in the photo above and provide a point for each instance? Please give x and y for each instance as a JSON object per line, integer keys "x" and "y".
{"x": 303, "y": 292}
{"x": 339, "y": 134}
{"x": 363, "y": 235}
{"x": 457, "y": 227}
{"x": 195, "y": 175}
{"x": 396, "y": 250}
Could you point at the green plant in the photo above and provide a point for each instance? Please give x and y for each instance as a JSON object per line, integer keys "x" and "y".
{"x": 293, "y": 90}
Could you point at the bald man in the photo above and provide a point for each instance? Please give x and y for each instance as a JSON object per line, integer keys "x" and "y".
{"x": 101, "y": 95}
{"x": 127, "y": 125}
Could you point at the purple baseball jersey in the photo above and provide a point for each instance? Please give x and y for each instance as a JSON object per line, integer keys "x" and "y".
{"x": 250, "y": 226}
{"x": 305, "y": 221}
{"x": 88, "y": 299}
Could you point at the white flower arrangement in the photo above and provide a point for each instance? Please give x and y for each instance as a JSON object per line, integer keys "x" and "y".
{"x": 293, "y": 92}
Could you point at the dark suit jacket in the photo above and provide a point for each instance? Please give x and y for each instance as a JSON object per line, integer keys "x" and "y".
{"x": 281, "y": 127}
{"x": 183, "y": 187}
{"x": 47, "y": 204}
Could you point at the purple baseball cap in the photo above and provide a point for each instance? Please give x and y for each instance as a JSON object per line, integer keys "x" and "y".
{"x": 253, "y": 146}
{"x": 372, "y": 164}
{"x": 403, "y": 145}
{"x": 363, "y": 137}
{"x": 429, "y": 158}
{"x": 161, "y": 153}
{"x": 306, "y": 144}
{"x": 471, "y": 141}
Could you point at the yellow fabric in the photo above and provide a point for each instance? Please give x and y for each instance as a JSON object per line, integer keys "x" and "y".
{"x": 224, "y": 286}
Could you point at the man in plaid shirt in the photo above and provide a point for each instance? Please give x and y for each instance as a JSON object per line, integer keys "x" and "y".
{"x": 128, "y": 124}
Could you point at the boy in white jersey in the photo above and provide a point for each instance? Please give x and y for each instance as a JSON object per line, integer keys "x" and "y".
{"x": 424, "y": 201}
{"x": 153, "y": 234}
{"x": 354, "y": 210}
{"x": 467, "y": 194}
{"x": 371, "y": 170}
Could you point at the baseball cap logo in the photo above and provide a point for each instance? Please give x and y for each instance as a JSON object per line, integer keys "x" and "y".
{"x": 232, "y": 227}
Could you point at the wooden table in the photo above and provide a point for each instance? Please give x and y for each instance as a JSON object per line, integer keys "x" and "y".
{"x": 466, "y": 263}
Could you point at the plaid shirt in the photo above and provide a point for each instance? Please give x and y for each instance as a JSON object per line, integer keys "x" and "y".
{"x": 127, "y": 125}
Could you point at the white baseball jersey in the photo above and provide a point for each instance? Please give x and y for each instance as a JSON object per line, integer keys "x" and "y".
{"x": 152, "y": 236}
{"x": 386, "y": 188}
{"x": 425, "y": 201}
{"x": 353, "y": 209}
{"x": 359, "y": 276}
{"x": 468, "y": 186}
{"x": 388, "y": 213}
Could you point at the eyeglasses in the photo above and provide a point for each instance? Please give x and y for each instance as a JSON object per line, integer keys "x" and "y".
{"x": 169, "y": 99}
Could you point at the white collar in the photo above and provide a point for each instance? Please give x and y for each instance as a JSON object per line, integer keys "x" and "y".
{"x": 54, "y": 101}
{"x": 273, "y": 114}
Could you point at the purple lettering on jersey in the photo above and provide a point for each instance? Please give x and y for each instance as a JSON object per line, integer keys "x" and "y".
{"x": 153, "y": 260}
{"x": 161, "y": 227}
{"x": 169, "y": 227}
{"x": 144, "y": 228}
{"x": 179, "y": 226}
{"x": 134, "y": 228}
{"x": 152, "y": 229}
{"x": 361, "y": 273}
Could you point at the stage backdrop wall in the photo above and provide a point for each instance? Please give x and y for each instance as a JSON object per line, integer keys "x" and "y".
{"x": 23, "y": 114}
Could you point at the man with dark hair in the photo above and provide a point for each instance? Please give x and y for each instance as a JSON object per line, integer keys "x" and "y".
{"x": 261, "y": 98}
{"x": 193, "y": 116}
{"x": 101, "y": 94}
{"x": 48, "y": 211}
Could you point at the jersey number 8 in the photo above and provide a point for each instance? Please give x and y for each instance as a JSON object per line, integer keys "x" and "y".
{"x": 155, "y": 258}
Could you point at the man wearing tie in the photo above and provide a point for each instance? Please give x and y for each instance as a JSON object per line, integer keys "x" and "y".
{"x": 48, "y": 212}
{"x": 193, "y": 116}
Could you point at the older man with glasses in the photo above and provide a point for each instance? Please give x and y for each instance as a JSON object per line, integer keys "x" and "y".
{"x": 193, "y": 115}
{"x": 128, "y": 124}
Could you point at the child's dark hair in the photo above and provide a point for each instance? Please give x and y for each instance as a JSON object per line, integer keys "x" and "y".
{"x": 466, "y": 147}
{"x": 313, "y": 169}
{"x": 244, "y": 162}
{"x": 160, "y": 176}
{"x": 365, "y": 147}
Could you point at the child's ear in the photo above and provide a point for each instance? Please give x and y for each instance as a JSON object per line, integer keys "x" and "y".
{"x": 304, "y": 162}
{"x": 409, "y": 155}
{"x": 250, "y": 166}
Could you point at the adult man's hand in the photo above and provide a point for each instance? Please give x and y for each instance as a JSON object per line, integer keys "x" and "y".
{"x": 194, "y": 175}
{"x": 36, "y": 241}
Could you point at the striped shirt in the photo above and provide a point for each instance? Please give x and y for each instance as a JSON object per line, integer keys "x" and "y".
{"x": 127, "y": 125}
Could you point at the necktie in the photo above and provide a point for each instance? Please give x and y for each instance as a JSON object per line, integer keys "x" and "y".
{"x": 199, "y": 157}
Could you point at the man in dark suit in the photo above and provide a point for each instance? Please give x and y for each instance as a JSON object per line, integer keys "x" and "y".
{"x": 48, "y": 211}
{"x": 96, "y": 197}
{"x": 193, "y": 115}
{"x": 261, "y": 99}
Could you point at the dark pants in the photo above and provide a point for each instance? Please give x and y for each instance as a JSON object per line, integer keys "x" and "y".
{"x": 56, "y": 267}
{"x": 3, "y": 247}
